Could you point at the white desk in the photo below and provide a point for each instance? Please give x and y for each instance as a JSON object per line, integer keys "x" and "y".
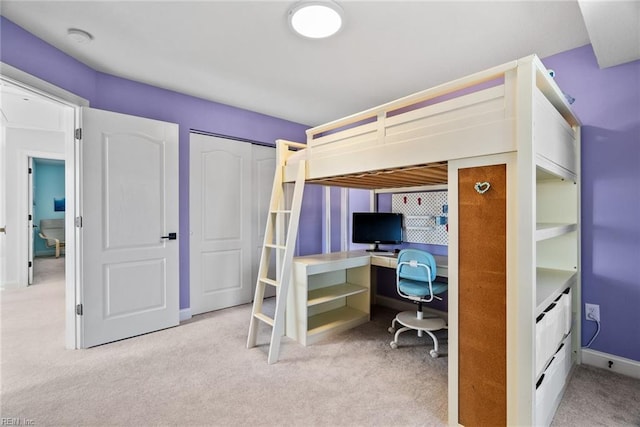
{"x": 330, "y": 293}
{"x": 391, "y": 261}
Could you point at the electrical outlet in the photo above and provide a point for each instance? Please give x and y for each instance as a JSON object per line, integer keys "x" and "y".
{"x": 592, "y": 312}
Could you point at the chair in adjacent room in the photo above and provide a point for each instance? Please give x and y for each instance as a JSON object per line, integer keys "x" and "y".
{"x": 415, "y": 280}
{"x": 52, "y": 231}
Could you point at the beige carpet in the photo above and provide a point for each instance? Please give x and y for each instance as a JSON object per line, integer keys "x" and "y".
{"x": 200, "y": 373}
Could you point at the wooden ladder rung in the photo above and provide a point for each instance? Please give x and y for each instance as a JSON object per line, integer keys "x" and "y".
{"x": 278, "y": 211}
{"x": 266, "y": 319}
{"x": 271, "y": 245}
{"x": 268, "y": 281}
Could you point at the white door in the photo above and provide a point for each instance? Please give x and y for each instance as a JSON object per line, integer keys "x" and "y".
{"x": 30, "y": 217}
{"x": 129, "y": 205}
{"x": 264, "y": 166}
{"x": 221, "y": 223}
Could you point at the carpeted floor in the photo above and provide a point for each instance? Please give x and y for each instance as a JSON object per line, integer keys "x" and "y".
{"x": 200, "y": 373}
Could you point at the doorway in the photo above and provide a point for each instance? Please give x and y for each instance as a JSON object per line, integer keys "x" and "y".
{"x": 47, "y": 217}
{"x": 39, "y": 120}
{"x": 33, "y": 125}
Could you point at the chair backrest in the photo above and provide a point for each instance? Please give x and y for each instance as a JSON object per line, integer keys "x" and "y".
{"x": 53, "y": 228}
{"x": 406, "y": 271}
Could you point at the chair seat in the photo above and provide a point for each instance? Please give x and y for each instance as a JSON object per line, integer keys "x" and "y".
{"x": 420, "y": 289}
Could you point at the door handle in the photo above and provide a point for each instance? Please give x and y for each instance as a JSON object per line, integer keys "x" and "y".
{"x": 171, "y": 236}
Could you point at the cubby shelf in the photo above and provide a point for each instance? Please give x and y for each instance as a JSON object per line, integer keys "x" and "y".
{"x": 331, "y": 293}
{"x": 334, "y": 321}
{"x": 550, "y": 230}
{"x": 550, "y": 284}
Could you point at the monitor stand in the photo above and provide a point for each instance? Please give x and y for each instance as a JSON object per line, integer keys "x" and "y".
{"x": 376, "y": 248}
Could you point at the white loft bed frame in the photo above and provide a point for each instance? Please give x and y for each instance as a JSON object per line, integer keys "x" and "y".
{"x": 398, "y": 149}
{"x": 423, "y": 139}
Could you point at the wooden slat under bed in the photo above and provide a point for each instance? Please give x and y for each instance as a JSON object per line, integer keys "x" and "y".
{"x": 430, "y": 174}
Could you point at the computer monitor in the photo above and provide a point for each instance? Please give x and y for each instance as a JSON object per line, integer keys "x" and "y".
{"x": 376, "y": 228}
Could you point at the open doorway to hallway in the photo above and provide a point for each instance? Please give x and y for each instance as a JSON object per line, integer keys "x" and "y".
{"x": 35, "y": 125}
{"x": 47, "y": 231}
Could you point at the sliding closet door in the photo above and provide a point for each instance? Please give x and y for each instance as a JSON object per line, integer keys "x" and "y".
{"x": 230, "y": 184}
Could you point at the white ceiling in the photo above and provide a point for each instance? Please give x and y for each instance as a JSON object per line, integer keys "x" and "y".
{"x": 242, "y": 53}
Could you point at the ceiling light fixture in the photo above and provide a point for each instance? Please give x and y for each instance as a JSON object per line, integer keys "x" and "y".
{"x": 79, "y": 36}
{"x": 316, "y": 19}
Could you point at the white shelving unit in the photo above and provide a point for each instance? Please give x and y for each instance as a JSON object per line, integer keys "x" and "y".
{"x": 330, "y": 293}
{"x": 557, "y": 257}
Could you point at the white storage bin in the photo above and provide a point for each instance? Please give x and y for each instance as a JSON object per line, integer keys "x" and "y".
{"x": 541, "y": 402}
{"x": 551, "y": 384}
{"x": 541, "y": 348}
{"x": 566, "y": 298}
{"x": 554, "y": 328}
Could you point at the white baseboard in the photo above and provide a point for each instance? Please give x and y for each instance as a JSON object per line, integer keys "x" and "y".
{"x": 620, "y": 365}
{"x": 47, "y": 253}
{"x": 12, "y": 285}
{"x": 185, "y": 314}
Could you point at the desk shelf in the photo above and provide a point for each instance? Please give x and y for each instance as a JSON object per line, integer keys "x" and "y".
{"x": 334, "y": 321}
{"x": 331, "y": 293}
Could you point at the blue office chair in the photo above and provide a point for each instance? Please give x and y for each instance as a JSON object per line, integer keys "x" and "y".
{"x": 415, "y": 275}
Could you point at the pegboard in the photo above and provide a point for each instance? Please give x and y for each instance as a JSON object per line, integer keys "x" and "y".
{"x": 425, "y": 216}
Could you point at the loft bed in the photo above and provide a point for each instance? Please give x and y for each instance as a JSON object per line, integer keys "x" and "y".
{"x": 511, "y": 124}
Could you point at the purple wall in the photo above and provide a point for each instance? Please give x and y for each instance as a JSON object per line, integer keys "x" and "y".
{"x": 311, "y": 223}
{"x": 608, "y": 105}
{"x": 28, "y": 53}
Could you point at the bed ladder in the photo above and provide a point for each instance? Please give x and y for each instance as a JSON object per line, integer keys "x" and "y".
{"x": 280, "y": 244}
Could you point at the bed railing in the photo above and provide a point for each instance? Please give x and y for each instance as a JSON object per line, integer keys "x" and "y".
{"x": 450, "y": 89}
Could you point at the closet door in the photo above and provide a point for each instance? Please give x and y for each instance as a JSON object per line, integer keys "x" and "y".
{"x": 230, "y": 185}
{"x": 482, "y": 353}
{"x": 220, "y": 223}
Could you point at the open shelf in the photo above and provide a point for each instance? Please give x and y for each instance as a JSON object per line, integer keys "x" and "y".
{"x": 331, "y": 293}
{"x": 550, "y": 283}
{"x": 334, "y": 321}
{"x": 550, "y": 230}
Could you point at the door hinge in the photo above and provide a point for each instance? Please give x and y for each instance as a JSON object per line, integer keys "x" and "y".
{"x": 29, "y": 217}
{"x": 78, "y": 221}
{"x": 78, "y": 133}
{"x": 30, "y": 264}
{"x": 30, "y": 171}
{"x": 79, "y": 309}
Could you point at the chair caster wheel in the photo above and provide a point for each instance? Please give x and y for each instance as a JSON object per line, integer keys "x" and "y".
{"x": 434, "y": 354}
{"x": 391, "y": 329}
{"x": 393, "y": 345}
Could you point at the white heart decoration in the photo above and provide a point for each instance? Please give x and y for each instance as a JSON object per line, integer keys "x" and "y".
{"x": 482, "y": 187}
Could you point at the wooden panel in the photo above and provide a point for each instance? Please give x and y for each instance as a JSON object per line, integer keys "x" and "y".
{"x": 430, "y": 174}
{"x": 482, "y": 373}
